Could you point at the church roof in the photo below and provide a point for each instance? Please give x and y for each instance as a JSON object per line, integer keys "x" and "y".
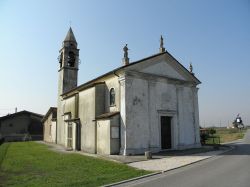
{"x": 25, "y": 112}
{"x": 70, "y": 36}
{"x": 52, "y": 110}
{"x": 93, "y": 81}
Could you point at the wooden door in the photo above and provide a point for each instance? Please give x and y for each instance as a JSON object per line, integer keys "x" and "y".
{"x": 165, "y": 132}
{"x": 78, "y": 136}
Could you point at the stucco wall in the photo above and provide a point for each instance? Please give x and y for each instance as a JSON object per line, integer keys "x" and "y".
{"x": 53, "y": 131}
{"x": 60, "y": 122}
{"x": 47, "y": 135}
{"x": 144, "y": 101}
{"x": 69, "y": 106}
{"x": 91, "y": 104}
{"x": 100, "y": 99}
{"x": 87, "y": 115}
{"x": 46, "y": 129}
{"x": 108, "y": 141}
{"x": 103, "y": 136}
{"x": 115, "y": 135}
{"x": 112, "y": 82}
{"x": 65, "y": 106}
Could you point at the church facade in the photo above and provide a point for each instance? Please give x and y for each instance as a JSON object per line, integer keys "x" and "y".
{"x": 147, "y": 105}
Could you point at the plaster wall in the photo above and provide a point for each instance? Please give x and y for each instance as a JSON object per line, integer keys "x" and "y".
{"x": 53, "y": 131}
{"x": 115, "y": 135}
{"x": 163, "y": 68}
{"x": 69, "y": 106}
{"x": 108, "y": 136}
{"x": 103, "y": 136}
{"x": 60, "y": 122}
{"x": 47, "y": 135}
{"x": 112, "y": 82}
{"x": 99, "y": 99}
{"x": 69, "y": 110}
{"x": 188, "y": 118}
{"x": 144, "y": 102}
{"x": 87, "y": 116}
{"x": 67, "y": 80}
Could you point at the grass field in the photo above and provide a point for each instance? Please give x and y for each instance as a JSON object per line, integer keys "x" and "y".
{"x": 32, "y": 164}
{"x": 226, "y": 135}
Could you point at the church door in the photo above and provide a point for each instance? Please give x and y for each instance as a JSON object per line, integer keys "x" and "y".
{"x": 165, "y": 132}
{"x": 70, "y": 142}
{"x": 78, "y": 136}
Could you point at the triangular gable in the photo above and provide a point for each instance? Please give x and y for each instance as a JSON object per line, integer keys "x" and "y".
{"x": 162, "y": 68}
{"x": 165, "y": 65}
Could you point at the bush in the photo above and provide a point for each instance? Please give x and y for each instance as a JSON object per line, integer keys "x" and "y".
{"x": 204, "y": 137}
{"x": 212, "y": 131}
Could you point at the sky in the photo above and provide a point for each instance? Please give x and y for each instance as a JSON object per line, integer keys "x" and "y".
{"x": 214, "y": 35}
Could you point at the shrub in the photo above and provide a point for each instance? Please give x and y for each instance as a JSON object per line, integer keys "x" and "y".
{"x": 212, "y": 131}
{"x": 204, "y": 137}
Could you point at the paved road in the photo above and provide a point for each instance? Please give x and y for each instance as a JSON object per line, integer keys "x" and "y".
{"x": 231, "y": 169}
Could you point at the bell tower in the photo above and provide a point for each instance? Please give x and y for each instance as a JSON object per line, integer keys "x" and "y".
{"x": 68, "y": 73}
{"x": 68, "y": 63}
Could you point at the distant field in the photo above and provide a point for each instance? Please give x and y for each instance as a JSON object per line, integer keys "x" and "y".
{"x": 226, "y": 135}
{"x": 32, "y": 164}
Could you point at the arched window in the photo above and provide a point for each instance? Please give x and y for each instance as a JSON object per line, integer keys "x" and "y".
{"x": 112, "y": 97}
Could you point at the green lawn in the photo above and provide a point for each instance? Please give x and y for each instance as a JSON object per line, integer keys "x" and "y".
{"x": 32, "y": 164}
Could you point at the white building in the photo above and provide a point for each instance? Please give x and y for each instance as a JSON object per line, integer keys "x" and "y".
{"x": 147, "y": 105}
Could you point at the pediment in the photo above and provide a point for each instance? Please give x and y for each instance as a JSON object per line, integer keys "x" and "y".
{"x": 165, "y": 65}
{"x": 162, "y": 68}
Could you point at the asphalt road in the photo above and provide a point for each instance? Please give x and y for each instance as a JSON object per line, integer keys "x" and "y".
{"x": 231, "y": 169}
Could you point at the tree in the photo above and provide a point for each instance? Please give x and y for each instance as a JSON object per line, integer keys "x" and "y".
{"x": 212, "y": 131}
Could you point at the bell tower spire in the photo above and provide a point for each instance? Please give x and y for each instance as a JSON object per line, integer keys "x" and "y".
{"x": 68, "y": 61}
{"x": 68, "y": 72}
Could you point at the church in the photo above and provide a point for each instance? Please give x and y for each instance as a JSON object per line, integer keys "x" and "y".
{"x": 147, "y": 105}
